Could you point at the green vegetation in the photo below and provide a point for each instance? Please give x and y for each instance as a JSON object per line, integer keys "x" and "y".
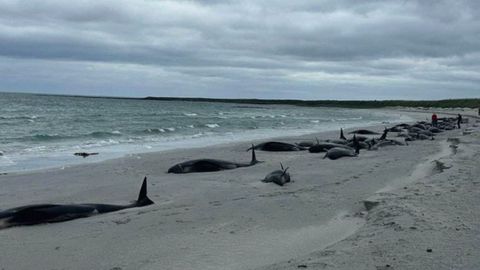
{"x": 446, "y": 103}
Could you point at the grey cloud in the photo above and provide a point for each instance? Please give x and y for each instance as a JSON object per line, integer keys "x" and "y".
{"x": 253, "y": 48}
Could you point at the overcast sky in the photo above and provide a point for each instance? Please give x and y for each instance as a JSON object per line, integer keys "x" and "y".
{"x": 302, "y": 49}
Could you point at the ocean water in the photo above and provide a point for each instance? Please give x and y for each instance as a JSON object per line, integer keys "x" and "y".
{"x": 40, "y": 131}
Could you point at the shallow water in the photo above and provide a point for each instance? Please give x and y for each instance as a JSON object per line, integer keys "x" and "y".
{"x": 39, "y": 131}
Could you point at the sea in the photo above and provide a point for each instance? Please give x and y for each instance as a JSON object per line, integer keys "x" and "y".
{"x": 44, "y": 131}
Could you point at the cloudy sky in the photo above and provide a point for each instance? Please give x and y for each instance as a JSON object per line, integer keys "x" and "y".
{"x": 302, "y": 49}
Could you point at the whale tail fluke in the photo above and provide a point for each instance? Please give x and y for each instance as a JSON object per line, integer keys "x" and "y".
{"x": 142, "y": 196}
{"x": 283, "y": 169}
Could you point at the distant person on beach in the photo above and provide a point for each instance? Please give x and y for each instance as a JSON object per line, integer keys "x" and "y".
{"x": 434, "y": 120}
{"x": 459, "y": 120}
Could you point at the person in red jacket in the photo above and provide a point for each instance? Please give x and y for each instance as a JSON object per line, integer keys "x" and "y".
{"x": 434, "y": 120}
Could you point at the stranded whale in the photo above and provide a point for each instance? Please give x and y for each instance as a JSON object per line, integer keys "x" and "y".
{"x": 363, "y": 132}
{"x": 50, "y": 213}
{"x": 279, "y": 177}
{"x": 278, "y": 147}
{"x": 210, "y": 165}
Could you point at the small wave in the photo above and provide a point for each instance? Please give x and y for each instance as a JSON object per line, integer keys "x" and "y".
{"x": 170, "y": 129}
{"x": 191, "y": 126}
{"x": 249, "y": 107}
{"x": 212, "y": 125}
{"x": 22, "y": 117}
{"x": 315, "y": 121}
{"x": 47, "y": 137}
{"x": 190, "y": 114}
{"x": 103, "y": 134}
{"x": 35, "y": 149}
{"x": 154, "y": 130}
{"x": 348, "y": 119}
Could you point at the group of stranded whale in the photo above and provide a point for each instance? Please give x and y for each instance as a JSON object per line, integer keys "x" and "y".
{"x": 333, "y": 149}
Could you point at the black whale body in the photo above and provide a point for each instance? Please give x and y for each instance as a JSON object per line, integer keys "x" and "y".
{"x": 324, "y": 147}
{"x": 363, "y": 132}
{"x": 50, "y": 213}
{"x": 210, "y": 165}
{"x": 279, "y": 147}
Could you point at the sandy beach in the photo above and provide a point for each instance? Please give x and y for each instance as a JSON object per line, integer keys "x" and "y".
{"x": 424, "y": 213}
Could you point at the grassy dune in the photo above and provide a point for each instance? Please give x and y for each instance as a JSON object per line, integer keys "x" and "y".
{"x": 446, "y": 103}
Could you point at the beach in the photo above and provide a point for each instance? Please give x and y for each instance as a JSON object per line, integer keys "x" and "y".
{"x": 422, "y": 199}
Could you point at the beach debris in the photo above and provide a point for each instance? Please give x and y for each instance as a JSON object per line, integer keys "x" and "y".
{"x": 440, "y": 166}
{"x": 279, "y": 177}
{"x": 370, "y": 204}
{"x": 85, "y": 154}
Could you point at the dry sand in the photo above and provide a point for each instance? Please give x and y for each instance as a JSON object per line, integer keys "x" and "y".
{"x": 425, "y": 197}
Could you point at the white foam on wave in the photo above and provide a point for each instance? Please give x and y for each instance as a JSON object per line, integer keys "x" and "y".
{"x": 190, "y": 114}
{"x": 212, "y": 125}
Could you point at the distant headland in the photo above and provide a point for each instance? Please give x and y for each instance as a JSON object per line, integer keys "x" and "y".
{"x": 445, "y": 103}
{"x": 365, "y": 104}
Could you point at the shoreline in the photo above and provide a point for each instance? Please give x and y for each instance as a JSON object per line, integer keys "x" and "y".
{"x": 207, "y": 142}
{"x": 212, "y": 220}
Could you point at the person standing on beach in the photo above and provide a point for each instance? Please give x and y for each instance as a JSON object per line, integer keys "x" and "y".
{"x": 459, "y": 120}
{"x": 434, "y": 120}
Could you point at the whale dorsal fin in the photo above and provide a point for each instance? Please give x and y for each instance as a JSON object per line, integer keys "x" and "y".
{"x": 254, "y": 157}
{"x": 384, "y": 135}
{"x": 142, "y": 196}
{"x": 341, "y": 134}
{"x": 356, "y": 144}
